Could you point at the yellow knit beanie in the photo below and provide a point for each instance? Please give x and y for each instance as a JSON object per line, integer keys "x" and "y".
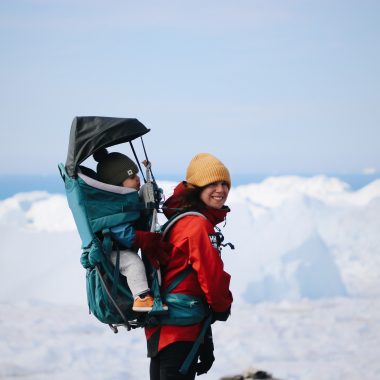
{"x": 204, "y": 169}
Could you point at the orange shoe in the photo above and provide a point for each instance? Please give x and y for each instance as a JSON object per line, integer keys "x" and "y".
{"x": 145, "y": 304}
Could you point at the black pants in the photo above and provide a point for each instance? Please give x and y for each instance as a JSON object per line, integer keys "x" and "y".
{"x": 166, "y": 365}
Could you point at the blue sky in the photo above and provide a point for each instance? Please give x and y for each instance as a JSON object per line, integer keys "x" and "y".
{"x": 274, "y": 87}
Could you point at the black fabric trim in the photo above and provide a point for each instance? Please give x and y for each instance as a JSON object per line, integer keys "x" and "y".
{"x": 152, "y": 344}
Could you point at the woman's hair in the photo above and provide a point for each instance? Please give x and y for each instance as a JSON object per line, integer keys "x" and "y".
{"x": 190, "y": 198}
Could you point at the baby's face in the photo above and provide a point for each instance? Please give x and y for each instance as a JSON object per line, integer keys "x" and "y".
{"x": 133, "y": 182}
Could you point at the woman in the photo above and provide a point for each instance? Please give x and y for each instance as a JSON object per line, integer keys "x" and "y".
{"x": 193, "y": 239}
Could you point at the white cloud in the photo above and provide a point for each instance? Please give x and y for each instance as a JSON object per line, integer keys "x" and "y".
{"x": 370, "y": 170}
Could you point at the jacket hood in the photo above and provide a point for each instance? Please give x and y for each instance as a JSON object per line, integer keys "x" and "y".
{"x": 172, "y": 206}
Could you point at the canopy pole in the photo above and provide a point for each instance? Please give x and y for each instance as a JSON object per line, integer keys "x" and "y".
{"x": 146, "y": 156}
{"x": 137, "y": 160}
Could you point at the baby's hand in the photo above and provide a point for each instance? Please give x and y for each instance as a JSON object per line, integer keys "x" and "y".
{"x": 146, "y": 163}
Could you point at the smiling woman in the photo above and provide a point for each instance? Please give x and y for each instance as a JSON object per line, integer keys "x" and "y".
{"x": 207, "y": 172}
{"x": 196, "y": 249}
{"x": 215, "y": 194}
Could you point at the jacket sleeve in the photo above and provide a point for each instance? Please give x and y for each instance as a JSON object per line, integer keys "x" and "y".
{"x": 124, "y": 234}
{"x": 206, "y": 261}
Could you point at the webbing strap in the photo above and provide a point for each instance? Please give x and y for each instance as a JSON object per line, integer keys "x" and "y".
{"x": 116, "y": 273}
{"x": 194, "y": 350}
{"x": 112, "y": 300}
{"x": 178, "y": 279}
{"x": 133, "y": 207}
{"x": 157, "y": 304}
{"x": 107, "y": 242}
{"x": 107, "y": 248}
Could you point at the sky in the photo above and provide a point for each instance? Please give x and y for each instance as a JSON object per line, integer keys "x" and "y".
{"x": 274, "y": 87}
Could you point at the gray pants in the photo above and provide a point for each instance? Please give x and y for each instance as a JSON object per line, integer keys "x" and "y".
{"x": 132, "y": 267}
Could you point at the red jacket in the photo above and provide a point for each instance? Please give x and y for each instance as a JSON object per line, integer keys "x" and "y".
{"x": 190, "y": 237}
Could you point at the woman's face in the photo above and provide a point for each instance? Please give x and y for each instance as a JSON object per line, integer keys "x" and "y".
{"x": 215, "y": 195}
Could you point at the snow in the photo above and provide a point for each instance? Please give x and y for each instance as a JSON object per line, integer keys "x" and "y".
{"x": 325, "y": 339}
{"x": 305, "y": 278}
{"x": 299, "y": 276}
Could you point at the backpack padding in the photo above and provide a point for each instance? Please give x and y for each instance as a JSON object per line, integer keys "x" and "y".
{"x": 105, "y": 186}
{"x": 106, "y": 209}
{"x": 76, "y": 202}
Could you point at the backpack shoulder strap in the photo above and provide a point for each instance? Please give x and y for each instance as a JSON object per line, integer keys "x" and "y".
{"x": 177, "y": 280}
{"x": 169, "y": 224}
{"x": 194, "y": 350}
{"x": 165, "y": 229}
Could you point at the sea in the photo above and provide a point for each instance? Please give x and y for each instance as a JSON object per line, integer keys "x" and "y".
{"x": 12, "y": 184}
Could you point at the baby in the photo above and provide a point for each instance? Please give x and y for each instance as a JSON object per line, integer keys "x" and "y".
{"x": 119, "y": 170}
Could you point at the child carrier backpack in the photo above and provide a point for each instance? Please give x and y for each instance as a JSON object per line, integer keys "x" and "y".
{"x": 96, "y": 207}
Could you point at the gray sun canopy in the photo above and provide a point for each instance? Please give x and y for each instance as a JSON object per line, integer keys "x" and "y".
{"x": 91, "y": 133}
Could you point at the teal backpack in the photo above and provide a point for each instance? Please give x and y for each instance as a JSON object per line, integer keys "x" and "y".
{"x": 96, "y": 207}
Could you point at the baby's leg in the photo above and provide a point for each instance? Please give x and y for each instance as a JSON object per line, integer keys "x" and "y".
{"x": 132, "y": 267}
